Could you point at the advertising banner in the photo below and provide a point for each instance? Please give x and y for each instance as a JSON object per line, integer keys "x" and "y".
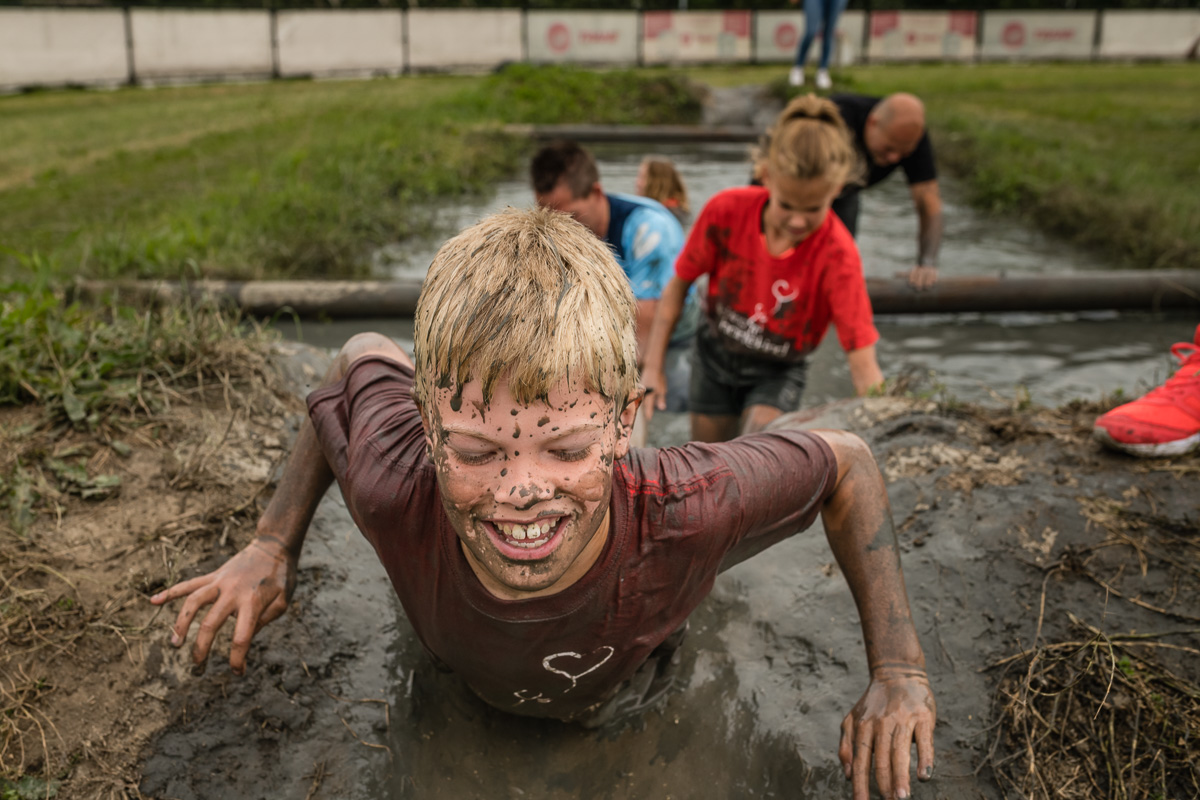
{"x": 442, "y": 38}
{"x": 55, "y": 46}
{"x": 345, "y": 42}
{"x": 593, "y": 37}
{"x": 675, "y": 37}
{"x": 922, "y": 35}
{"x": 189, "y": 43}
{"x": 777, "y": 36}
{"x": 1150, "y": 34}
{"x": 1027, "y": 35}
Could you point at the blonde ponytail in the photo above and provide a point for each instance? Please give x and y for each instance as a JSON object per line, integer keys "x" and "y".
{"x": 810, "y": 140}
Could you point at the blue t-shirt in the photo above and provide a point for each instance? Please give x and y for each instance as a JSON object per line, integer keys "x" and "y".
{"x": 647, "y": 238}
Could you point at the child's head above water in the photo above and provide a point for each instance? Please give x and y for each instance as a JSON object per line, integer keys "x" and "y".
{"x": 810, "y": 141}
{"x": 658, "y": 179}
{"x": 531, "y": 295}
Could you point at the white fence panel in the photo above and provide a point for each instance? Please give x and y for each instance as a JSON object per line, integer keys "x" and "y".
{"x": 592, "y": 37}
{"x": 1027, "y": 35}
{"x": 441, "y": 38}
{"x": 922, "y": 35}
{"x": 1149, "y": 34}
{"x": 349, "y": 42}
{"x": 190, "y": 43}
{"x": 54, "y": 46}
{"x": 674, "y": 37}
{"x": 777, "y": 35}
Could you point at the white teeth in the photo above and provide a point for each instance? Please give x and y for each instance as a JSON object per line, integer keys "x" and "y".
{"x": 520, "y": 533}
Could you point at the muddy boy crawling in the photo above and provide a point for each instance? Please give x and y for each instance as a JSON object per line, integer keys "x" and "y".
{"x": 535, "y": 553}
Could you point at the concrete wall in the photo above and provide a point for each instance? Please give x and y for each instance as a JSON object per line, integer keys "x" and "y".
{"x": 1149, "y": 34}
{"x": 1028, "y": 35}
{"x": 442, "y": 39}
{"x": 52, "y": 46}
{"x": 340, "y": 42}
{"x": 922, "y": 36}
{"x": 190, "y": 43}
{"x": 57, "y": 46}
{"x": 680, "y": 37}
{"x": 595, "y": 37}
{"x": 777, "y": 36}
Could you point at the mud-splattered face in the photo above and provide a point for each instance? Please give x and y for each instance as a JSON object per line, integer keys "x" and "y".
{"x": 527, "y": 487}
{"x": 797, "y": 207}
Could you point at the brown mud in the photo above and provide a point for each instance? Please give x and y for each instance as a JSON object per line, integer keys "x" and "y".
{"x": 1013, "y": 524}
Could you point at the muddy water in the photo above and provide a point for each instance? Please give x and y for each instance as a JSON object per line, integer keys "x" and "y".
{"x": 774, "y": 658}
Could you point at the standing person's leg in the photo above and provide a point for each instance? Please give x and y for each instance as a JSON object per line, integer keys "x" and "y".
{"x": 813, "y": 14}
{"x": 831, "y": 10}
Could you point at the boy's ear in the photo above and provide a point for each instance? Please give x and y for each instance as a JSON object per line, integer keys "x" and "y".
{"x": 626, "y": 421}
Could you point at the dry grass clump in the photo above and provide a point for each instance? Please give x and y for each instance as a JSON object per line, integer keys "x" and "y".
{"x": 1098, "y": 717}
{"x": 1106, "y": 715}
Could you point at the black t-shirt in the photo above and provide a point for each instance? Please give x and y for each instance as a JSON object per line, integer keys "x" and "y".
{"x": 918, "y": 165}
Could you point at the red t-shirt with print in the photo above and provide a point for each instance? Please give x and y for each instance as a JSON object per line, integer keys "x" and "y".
{"x": 776, "y": 308}
{"x": 678, "y": 516}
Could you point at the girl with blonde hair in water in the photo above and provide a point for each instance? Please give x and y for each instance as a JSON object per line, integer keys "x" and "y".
{"x": 780, "y": 270}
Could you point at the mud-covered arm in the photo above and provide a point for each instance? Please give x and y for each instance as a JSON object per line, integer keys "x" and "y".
{"x": 256, "y": 584}
{"x": 898, "y": 705}
{"x": 928, "y": 202}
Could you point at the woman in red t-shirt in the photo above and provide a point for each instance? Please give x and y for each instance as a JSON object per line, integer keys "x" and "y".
{"x": 780, "y": 269}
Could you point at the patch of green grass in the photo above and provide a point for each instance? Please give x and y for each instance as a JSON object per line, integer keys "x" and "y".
{"x": 278, "y": 179}
{"x": 1106, "y": 155}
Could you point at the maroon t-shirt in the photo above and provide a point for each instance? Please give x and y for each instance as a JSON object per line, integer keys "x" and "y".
{"x": 679, "y": 515}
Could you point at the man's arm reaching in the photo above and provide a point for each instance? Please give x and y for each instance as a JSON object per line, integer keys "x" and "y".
{"x": 898, "y": 705}
{"x": 928, "y": 202}
{"x": 256, "y": 584}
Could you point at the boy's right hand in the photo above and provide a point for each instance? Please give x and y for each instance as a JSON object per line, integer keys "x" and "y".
{"x": 255, "y": 586}
{"x": 655, "y": 383}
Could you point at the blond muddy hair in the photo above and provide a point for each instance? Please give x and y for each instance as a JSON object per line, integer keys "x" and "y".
{"x": 530, "y": 294}
{"x": 810, "y": 140}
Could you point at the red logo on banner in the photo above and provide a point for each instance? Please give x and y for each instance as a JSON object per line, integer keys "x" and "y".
{"x": 656, "y": 23}
{"x": 737, "y": 23}
{"x": 884, "y": 21}
{"x": 786, "y": 36}
{"x": 1013, "y": 35}
{"x": 963, "y": 22}
{"x": 558, "y": 37}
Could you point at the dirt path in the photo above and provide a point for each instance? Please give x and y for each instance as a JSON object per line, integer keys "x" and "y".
{"x": 992, "y": 509}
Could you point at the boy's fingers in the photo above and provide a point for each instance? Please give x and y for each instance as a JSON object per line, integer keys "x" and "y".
{"x": 861, "y": 770}
{"x": 846, "y": 747}
{"x": 883, "y": 760}
{"x": 197, "y": 599}
{"x": 212, "y": 622}
{"x": 924, "y": 735}
{"x": 178, "y": 590}
{"x": 901, "y": 745}
{"x": 243, "y": 633}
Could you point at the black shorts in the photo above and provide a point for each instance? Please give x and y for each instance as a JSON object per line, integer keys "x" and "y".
{"x": 725, "y": 384}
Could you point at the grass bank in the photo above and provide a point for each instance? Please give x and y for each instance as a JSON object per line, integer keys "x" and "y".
{"x": 1105, "y": 155}
{"x": 295, "y": 178}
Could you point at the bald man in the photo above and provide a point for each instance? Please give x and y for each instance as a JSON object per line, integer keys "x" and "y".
{"x": 890, "y": 133}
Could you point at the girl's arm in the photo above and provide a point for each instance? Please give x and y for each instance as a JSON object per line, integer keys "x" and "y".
{"x": 670, "y": 305}
{"x": 864, "y": 369}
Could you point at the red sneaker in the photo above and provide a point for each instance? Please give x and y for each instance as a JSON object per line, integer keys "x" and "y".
{"x": 1164, "y": 422}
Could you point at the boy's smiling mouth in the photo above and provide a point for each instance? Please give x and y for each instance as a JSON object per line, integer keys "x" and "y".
{"x": 526, "y": 540}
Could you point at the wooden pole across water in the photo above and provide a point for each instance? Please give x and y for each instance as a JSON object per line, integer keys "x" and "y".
{"x": 1091, "y": 291}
